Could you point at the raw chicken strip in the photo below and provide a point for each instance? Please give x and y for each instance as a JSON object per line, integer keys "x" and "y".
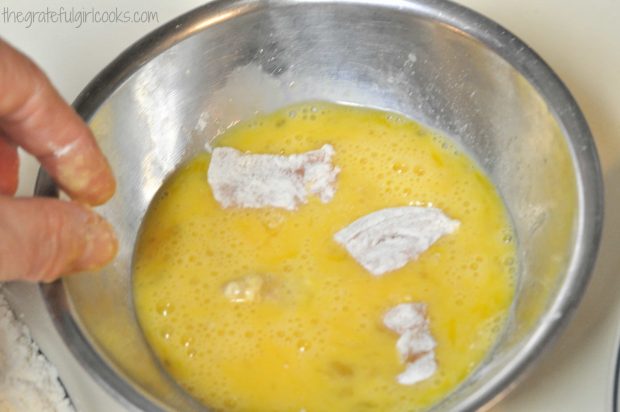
{"x": 386, "y": 240}
{"x": 405, "y": 317}
{"x": 421, "y": 369}
{"x": 261, "y": 180}
{"x": 415, "y": 344}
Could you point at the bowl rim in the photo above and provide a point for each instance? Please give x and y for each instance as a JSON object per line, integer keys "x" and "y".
{"x": 470, "y": 23}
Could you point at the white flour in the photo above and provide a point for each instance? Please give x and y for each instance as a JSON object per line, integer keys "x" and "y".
{"x": 387, "y": 239}
{"x": 28, "y": 382}
{"x": 260, "y": 180}
{"x": 415, "y": 344}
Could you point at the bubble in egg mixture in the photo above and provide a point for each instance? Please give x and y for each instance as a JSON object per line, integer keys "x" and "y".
{"x": 261, "y": 310}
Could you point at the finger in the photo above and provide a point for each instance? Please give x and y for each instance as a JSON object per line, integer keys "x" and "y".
{"x": 9, "y": 167}
{"x": 34, "y": 116}
{"x": 44, "y": 238}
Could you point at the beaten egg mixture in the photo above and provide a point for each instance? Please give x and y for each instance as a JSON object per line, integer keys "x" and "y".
{"x": 260, "y": 309}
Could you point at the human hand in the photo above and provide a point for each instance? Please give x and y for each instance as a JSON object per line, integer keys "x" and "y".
{"x": 41, "y": 239}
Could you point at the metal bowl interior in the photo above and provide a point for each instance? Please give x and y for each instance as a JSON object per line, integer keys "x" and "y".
{"x": 436, "y": 62}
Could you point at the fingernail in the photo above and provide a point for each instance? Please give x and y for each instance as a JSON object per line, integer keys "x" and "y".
{"x": 100, "y": 246}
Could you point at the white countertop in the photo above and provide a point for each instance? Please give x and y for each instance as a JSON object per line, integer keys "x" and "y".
{"x": 581, "y": 42}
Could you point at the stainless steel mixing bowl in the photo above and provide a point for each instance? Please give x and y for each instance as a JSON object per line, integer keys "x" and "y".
{"x": 450, "y": 68}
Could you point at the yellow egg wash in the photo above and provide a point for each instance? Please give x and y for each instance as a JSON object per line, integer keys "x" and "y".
{"x": 313, "y": 338}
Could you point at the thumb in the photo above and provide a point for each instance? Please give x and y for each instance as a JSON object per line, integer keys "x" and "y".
{"x": 41, "y": 239}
